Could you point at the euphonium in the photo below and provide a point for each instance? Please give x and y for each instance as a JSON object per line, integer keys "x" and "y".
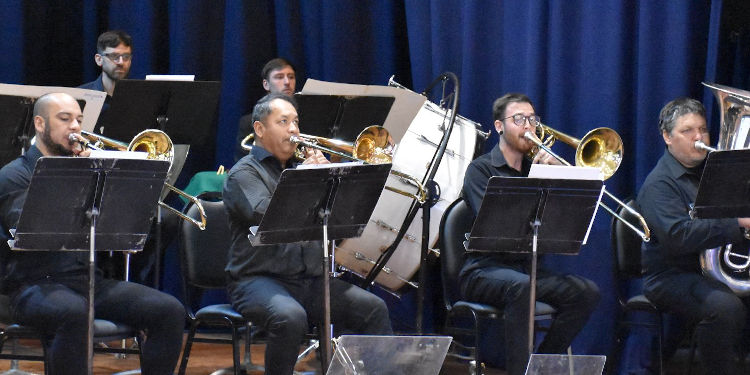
{"x": 158, "y": 146}
{"x": 721, "y": 263}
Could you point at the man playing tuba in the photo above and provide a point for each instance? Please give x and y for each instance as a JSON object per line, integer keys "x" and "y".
{"x": 674, "y": 281}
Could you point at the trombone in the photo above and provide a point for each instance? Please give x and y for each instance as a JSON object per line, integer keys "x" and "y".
{"x": 600, "y": 148}
{"x": 373, "y": 145}
{"x": 158, "y": 146}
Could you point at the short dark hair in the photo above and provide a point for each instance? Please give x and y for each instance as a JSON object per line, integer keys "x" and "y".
{"x": 113, "y": 38}
{"x": 498, "y": 107}
{"x": 677, "y": 108}
{"x": 263, "y": 107}
{"x": 275, "y": 64}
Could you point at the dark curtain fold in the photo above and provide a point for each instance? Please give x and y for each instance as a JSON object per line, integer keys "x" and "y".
{"x": 584, "y": 63}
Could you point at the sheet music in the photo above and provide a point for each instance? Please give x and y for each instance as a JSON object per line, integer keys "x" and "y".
{"x": 565, "y": 172}
{"x": 329, "y": 165}
{"x": 170, "y": 77}
{"x": 111, "y": 154}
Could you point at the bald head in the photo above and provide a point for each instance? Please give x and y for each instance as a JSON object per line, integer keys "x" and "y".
{"x": 56, "y": 116}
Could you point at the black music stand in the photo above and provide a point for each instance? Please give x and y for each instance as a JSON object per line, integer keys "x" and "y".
{"x": 341, "y": 116}
{"x": 17, "y": 128}
{"x": 186, "y": 110}
{"x": 86, "y": 204}
{"x": 329, "y": 203}
{"x": 724, "y": 189}
{"x": 513, "y": 210}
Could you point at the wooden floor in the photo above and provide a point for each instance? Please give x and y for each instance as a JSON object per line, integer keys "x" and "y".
{"x": 204, "y": 359}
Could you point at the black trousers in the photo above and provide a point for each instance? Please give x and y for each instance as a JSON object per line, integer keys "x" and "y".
{"x": 718, "y": 314}
{"x": 507, "y": 288}
{"x": 287, "y": 308}
{"x": 59, "y": 308}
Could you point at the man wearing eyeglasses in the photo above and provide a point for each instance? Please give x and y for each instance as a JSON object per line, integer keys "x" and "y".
{"x": 501, "y": 279}
{"x": 114, "y": 52}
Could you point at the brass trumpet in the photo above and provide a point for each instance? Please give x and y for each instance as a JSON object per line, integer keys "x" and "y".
{"x": 600, "y": 148}
{"x": 158, "y": 146}
{"x": 373, "y": 145}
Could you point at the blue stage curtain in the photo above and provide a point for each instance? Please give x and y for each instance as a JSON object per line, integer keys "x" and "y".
{"x": 584, "y": 63}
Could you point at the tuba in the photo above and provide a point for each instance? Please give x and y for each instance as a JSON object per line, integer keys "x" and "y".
{"x": 723, "y": 263}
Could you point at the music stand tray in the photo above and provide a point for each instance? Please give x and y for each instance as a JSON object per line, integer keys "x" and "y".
{"x": 724, "y": 188}
{"x": 185, "y": 110}
{"x": 565, "y": 208}
{"x": 294, "y": 213}
{"x": 62, "y": 189}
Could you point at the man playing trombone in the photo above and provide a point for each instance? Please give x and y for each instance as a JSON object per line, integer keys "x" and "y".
{"x": 49, "y": 289}
{"x": 674, "y": 281}
{"x": 501, "y": 279}
{"x": 279, "y": 287}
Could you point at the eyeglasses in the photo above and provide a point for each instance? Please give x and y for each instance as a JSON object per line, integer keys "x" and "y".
{"x": 115, "y": 57}
{"x": 519, "y": 119}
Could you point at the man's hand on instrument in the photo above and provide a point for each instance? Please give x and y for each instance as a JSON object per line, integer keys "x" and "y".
{"x": 313, "y": 156}
{"x": 543, "y": 157}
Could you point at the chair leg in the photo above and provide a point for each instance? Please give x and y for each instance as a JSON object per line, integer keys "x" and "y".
{"x": 660, "y": 343}
{"x": 477, "y": 352}
{"x": 237, "y": 364}
{"x": 188, "y": 347}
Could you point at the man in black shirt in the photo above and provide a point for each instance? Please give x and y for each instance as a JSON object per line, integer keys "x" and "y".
{"x": 49, "y": 289}
{"x": 279, "y": 286}
{"x": 279, "y": 77}
{"x": 501, "y": 279}
{"x": 674, "y": 281}
{"x": 114, "y": 52}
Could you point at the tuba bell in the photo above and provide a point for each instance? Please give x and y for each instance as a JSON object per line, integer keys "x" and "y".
{"x": 723, "y": 263}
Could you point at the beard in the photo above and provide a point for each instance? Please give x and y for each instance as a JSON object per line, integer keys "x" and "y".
{"x": 115, "y": 76}
{"x": 54, "y": 147}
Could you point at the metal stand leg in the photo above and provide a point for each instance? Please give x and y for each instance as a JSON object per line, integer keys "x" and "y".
{"x": 532, "y": 286}
{"x": 327, "y": 332}
{"x": 94, "y": 213}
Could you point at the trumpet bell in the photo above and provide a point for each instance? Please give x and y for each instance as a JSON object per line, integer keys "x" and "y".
{"x": 600, "y": 148}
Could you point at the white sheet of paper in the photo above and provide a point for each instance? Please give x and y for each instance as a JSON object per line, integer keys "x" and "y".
{"x": 329, "y": 165}
{"x": 569, "y": 173}
{"x": 170, "y": 77}
{"x": 110, "y": 154}
{"x": 564, "y": 172}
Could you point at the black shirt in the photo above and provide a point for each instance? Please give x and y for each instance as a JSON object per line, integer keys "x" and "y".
{"x": 28, "y": 266}
{"x": 665, "y": 200}
{"x": 475, "y": 183}
{"x": 98, "y": 85}
{"x": 247, "y": 193}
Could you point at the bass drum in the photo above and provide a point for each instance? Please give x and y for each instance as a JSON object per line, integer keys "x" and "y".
{"x": 412, "y": 157}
